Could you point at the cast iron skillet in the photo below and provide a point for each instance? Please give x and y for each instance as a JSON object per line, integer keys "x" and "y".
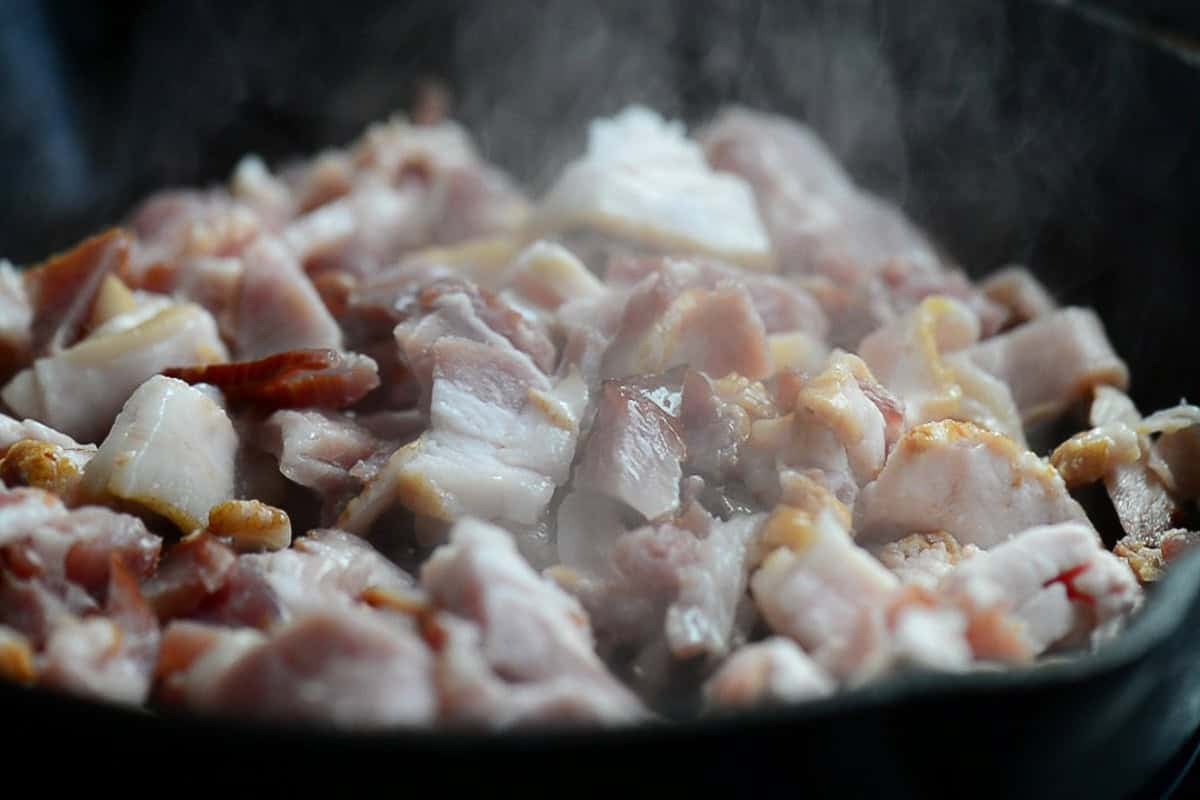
{"x": 1012, "y": 131}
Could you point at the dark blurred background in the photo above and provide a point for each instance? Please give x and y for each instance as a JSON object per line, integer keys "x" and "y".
{"x": 1058, "y": 134}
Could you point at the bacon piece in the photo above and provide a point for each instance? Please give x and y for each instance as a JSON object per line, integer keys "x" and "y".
{"x": 63, "y": 289}
{"x": 16, "y": 657}
{"x": 771, "y": 671}
{"x": 44, "y": 465}
{"x": 16, "y": 320}
{"x": 195, "y": 569}
{"x": 251, "y": 525}
{"x": 293, "y": 379}
{"x": 496, "y": 315}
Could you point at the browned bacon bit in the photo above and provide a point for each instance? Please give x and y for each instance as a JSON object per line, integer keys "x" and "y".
{"x": 251, "y": 525}
{"x": 318, "y": 378}
{"x": 62, "y": 289}
{"x": 43, "y": 465}
{"x": 16, "y": 657}
{"x": 1149, "y": 555}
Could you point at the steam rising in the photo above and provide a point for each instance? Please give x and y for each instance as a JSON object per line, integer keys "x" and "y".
{"x": 893, "y": 88}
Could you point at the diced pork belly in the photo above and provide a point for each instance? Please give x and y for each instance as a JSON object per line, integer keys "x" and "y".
{"x": 13, "y": 431}
{"x": 861, "y": 414}
{"x": 1057, "y": 581}
{"x": 16, "y": 320}
{"x": 533, "y": 637}
{"x": 352, "y": 668}
{"x": 917, "y": 357}
{"x": 403, "y": 187}
{"x": 270, "y": 197}
{"x": 171, "y": 450}
{"x": 1021, "y": 295}
{"x": 501, "y": 437}
{"x": 974, "y": 484}
{"x": 177, "y": 224}
{"x": 192, "y": 571}
{"x": 1144, "y": 504}
{"x": 1175, "y": 455}
{"x": 63, "y": 289}
{"x": 845, "y": 608}
{"x": 458, "y": 308}
{"x": 68, "y": 584}
{"x": 634, "y": 453}
{"x": 81, "y": 390}
{"x": 320, "y": 450}
{"x": 772, "y": 671}
{"x": 467, "y": 197}
{"x": 642, "y": 181}
{"x": 715, "y": 418}
{"x": 110, "y": 656}
{"x": 278, "y": 308}
{"x": 202, "y": 578}
{"x": 676, "y": 582}
{"x": 705, "y": 594}
{"x": 1147, "y": 480}
{"x": 781, "y": 304}
{"x": 818, "y": 588}
{"x": 545, "y": 275}
{"x": 471, "y": 692}
{"x": 55, "y": 544}
{"x": 838, "y": 426}
{"x": 1052, "y": 362}
{"x": 213, "y": 282}
{"x": 655, "y": 336}
{"x": 324, "y": 568}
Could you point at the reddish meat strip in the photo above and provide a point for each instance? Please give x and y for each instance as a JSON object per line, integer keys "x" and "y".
{"x": 294, "y": 379}
{"x": 63, "y": 289}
